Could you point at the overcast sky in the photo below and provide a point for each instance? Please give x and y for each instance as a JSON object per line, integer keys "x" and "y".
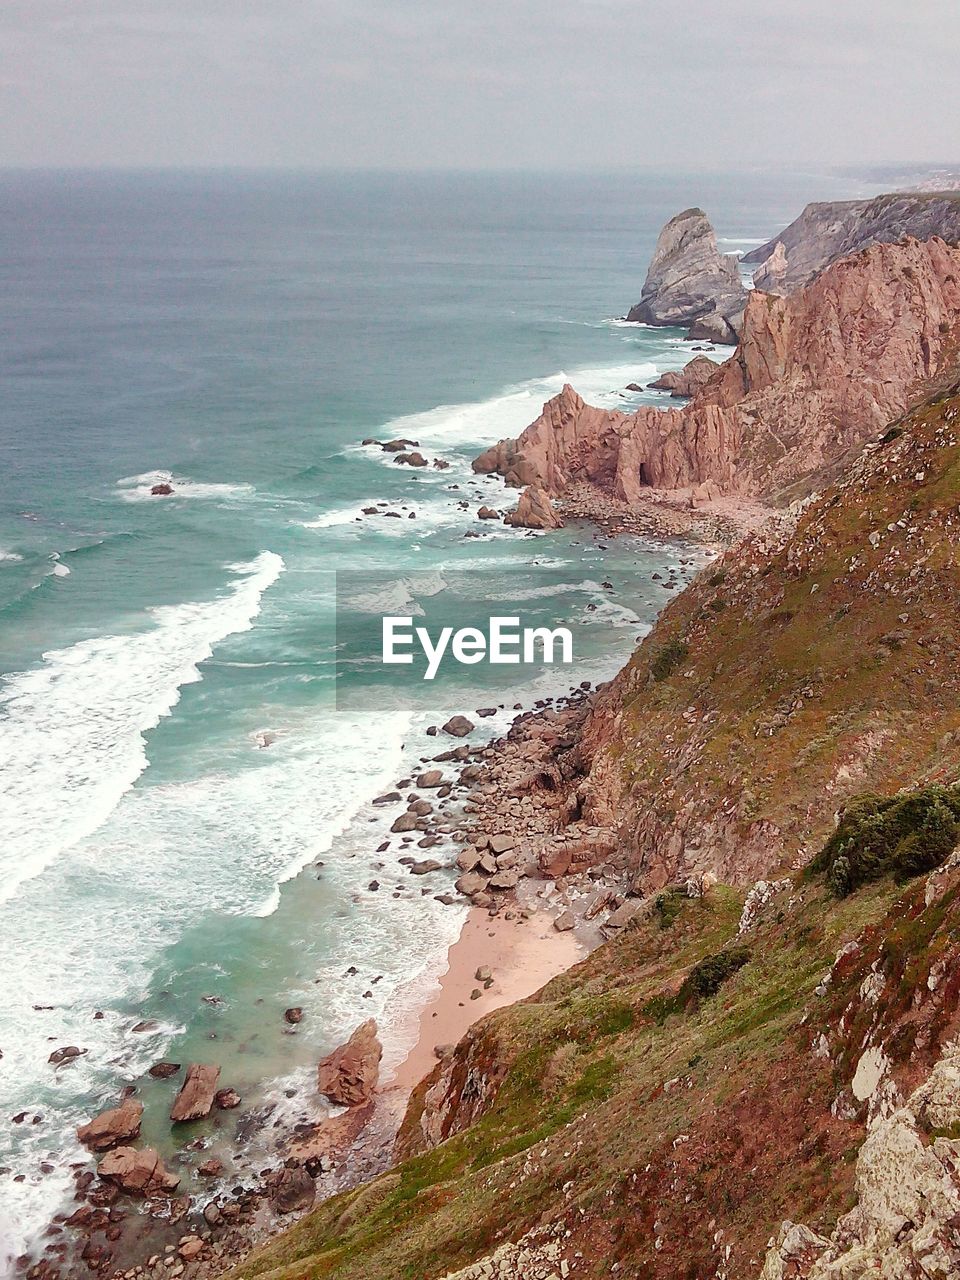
{"x": 490, "y": 83}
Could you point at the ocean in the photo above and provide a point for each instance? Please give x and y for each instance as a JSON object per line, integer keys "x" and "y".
{"x": 186, "y": 834}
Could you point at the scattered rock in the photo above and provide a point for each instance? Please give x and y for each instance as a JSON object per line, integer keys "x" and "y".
{"x": 293, "y": 1191}
{"x": 349, "y": 1075}
{"x": 138, "y": 1172}
{"x": 459, "y": 726}
{"x": 66, "y": 1054}
{"x": 110, "y": 1128}
{"x": 164, "y": 1070}
{"x": 533, "y": 511}
{"x": 195, "y": 1099}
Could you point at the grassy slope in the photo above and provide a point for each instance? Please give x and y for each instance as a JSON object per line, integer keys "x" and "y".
{"x": 664, "y": 1131}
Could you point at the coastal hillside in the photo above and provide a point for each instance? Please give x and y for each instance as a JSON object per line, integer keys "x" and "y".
{"x": 826, "y": 231}
{"x": 768, "y": 1042}
{"x": 814, "y": 376}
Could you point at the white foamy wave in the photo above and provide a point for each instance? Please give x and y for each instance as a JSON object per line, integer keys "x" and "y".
{"x": 138, "y": 488}
{"x": 72, "y": 729}
{"x": 170, "y": 857}
{"x": 342, "y": 516}
{"x": 506, "y": 414}
{"x": 59, "y": 570}
{"x": 10, "y": 557}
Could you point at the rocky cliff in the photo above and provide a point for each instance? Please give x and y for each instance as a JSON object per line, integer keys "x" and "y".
{"x": 771, "y": 1037}
{"x": 830, "y": 230}
{"x": 690, "y": 284}
{"x": 814, "y": 376}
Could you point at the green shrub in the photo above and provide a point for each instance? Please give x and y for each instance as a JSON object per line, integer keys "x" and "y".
{"x": 902, "y": 836}
{"x": 667, "y": 658}
{"x": 708, "y": 976}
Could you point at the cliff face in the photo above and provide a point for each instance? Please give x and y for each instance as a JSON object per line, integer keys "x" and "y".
{"x": 835, "y": 229}
{"x": 814, "y": 376}
{"x": 812, "y": 663}
{"x": 690, "y": 283}
{"x": 747, "y": 1055}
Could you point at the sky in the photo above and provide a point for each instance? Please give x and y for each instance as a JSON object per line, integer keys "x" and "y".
{"x": 450, "y": 84}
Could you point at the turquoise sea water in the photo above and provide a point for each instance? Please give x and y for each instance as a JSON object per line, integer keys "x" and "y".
{"x": 238, "y": 335}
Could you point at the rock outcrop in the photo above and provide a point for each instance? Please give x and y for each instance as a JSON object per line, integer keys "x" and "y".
{"x": 533, "y": 511}
{"x": 686, "y": 382}
{"x": 195, "y": 1099}
{"x": 814, "y": 376}
{"x": 830, "y": 230}
{"x": 906, "y": 1221}
{"x": 690, "y": 283}
{"x": 138, "y": 1172}
{"x": 348, "y": 1076}
{"x": 110, "y": 1128}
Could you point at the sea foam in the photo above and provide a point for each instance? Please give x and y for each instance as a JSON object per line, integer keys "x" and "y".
{"x": 72, "y": 729}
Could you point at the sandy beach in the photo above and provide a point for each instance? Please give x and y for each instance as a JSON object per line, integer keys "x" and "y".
{"x": 522, "y": 953}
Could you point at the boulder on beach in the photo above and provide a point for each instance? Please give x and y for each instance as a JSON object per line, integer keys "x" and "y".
{"x": 503, "y": 880}
{"x": 110, "y": 1128}
{"x": 195, "y": 1099}
{"x": 533, "y": 511}
{"x": 138, "y": 1172}
{"x": 349, "y": 1075}
{"x": 292, "y": 1191}
{"x": 425, "y": 868}
{"x": 470, "y": 883}
{"x": 459, "y": 726}
{"x": 432, "y": 778}
{"x": 468, "y": 858}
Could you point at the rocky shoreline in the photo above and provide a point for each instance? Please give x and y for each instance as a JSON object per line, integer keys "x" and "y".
{"x": 515, "y": 840}
{"x": 520, "y": 849}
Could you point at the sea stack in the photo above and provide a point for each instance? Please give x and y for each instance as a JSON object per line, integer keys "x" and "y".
{"x": 691, "y": 284}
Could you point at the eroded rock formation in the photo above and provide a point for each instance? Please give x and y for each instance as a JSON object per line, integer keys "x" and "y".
{"x": 195, "y": 1099}
{"x": 109, "y": 1128}
{"x": 814, "y": 376}
{"x": 690, "y": 283}
{"x": 349, "y": 1075}
{"x": 534, "y": 511}
{"x": 138, "y": 1172}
